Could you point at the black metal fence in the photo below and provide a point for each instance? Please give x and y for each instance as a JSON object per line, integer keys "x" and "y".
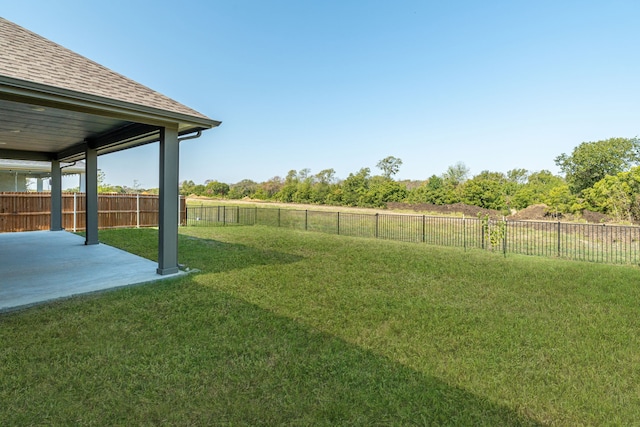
{"x": 585, "y": 242}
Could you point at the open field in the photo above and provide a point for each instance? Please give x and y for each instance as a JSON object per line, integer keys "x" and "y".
{"x": 283, "y": 327}
{"x": 604, "y": 243}
{"x": 205, "y": 201}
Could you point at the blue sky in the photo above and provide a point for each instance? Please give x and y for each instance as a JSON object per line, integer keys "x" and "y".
{"x": 342, "y": 84}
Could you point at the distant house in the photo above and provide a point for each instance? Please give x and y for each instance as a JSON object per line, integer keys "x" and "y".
{"x": 15, "y": 174}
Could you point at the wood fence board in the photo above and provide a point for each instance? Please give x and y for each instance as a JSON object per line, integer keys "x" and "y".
{"x": 32, "y": 211}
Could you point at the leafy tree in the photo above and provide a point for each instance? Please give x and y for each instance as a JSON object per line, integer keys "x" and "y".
{"x": 560, "y": 199}
{"x": 381, "y": 191}
{"x": 592, "y": 161}
{"x": 304, "y": 174}
{"x": 326, "y": 176}
{"x": 486, "y": 190}
{"x": 199, "y": 189}
{"x": 436, "y": 190}
{"x": 242, "y": 189}
{"x": 187, "y": 188}
{"x": 215, "y": 188}
{"x": 268, "y": 189}
{"x": 103, "y": 187}
{"x": 355, "y": 187}
{"x": 456, "y": 174}
{"x": 515, "y": 179}
{"x": 303, "y": 192}
{"x": 423, "y": 193}
{"x": 616, "y": 195}
{"x": 389, "y": 166}
{"x": 324, "y": 181}
{"x": 334, "y": 197}
{"x": 518, "y": 176}
{"x": 289, "y": 187}
{"x": 536, "y": 189}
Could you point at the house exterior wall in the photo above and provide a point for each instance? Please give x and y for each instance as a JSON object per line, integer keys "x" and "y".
{"x": 8, "y": 182}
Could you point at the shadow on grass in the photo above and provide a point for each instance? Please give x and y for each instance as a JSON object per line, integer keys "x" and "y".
{"x": 221, "y": 256}
{"x": 207, "y": 255}
{"x": 183, "y": 354}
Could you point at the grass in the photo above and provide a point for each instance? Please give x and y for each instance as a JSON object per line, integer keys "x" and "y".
{"x": 582, "y": 242}
{"x": 284, "y": 327}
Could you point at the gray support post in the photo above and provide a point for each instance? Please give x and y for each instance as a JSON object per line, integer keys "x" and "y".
{"x": 39, "y": 185}
{"x": 91, "y": 196}
{"x": 75, "y": 212}
{"x": 168, "y": 224}
{"x": 56, "y": 196}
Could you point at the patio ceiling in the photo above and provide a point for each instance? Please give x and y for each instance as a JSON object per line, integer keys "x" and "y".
{"x": 39, "y": 133}
{"x": 41, "y": 125}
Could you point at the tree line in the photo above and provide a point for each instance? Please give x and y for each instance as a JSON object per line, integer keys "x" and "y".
{"x": 602, "y": 176}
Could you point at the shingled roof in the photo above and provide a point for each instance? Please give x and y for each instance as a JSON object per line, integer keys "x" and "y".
{"x": 54, "y": 103}
{"x": 27, "y": 56}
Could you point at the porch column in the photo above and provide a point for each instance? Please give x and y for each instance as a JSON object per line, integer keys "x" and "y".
{"x": 56, "y": 196}
{"x": 39, "y": 185}
{"x": 168, "y": 215}
{"x": 91, "y": 199}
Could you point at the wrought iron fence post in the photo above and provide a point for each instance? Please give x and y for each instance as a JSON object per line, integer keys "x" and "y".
{"x": 377, "y": 224}
{"x": 238, "y": 215}
{"x": 279, "y": 217}
{"x": 464, "y": 232}
{"x": 224, "y": 215}
{"x": 424, "y": 220}
{"x": 483, "y": 230}
{"x": 504, "y": 237}
{"x": 306, "y": 219}
{"x": 559, "y": 239}
{"x": 338, "y": 222}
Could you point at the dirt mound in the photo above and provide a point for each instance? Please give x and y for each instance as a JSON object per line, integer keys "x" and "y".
{"x": 535, "y": 213}
{"x": 538, "y": 212}
{"x": 595, "y": 217}
{"x": 456, "y": 208}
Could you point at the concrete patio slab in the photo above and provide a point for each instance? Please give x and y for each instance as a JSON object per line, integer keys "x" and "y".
{"x": 39, "y": 266}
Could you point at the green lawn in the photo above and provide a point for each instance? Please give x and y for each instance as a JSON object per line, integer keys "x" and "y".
{"x": 285, "y": 327}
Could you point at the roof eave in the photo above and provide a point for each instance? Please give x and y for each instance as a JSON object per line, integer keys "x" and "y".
{"x": 25, "y": 91}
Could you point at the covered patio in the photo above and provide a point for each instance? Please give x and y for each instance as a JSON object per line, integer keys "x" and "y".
{"x": 40, "y": 266}
{"x": 60, "y": 107}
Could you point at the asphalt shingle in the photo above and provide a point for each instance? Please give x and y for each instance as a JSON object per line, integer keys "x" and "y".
{"x": 27, "y": 56}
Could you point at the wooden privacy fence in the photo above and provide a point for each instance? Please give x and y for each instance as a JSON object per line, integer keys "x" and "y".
{"x": 32, "y": 211}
